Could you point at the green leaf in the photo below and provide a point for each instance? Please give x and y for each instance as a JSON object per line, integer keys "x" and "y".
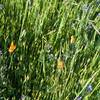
{"x": 1, "y": 33}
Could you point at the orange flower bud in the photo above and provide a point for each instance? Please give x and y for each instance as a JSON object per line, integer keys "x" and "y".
{"x": 12, "y": 47}
{"x": 72, "y": 39}
{"x": 60, "y": 64}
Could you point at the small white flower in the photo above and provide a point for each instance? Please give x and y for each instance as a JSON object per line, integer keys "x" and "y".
{"x": 22, "y": 97}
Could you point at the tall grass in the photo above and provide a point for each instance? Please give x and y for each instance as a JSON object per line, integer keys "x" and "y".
{"x": 42, "y": 31}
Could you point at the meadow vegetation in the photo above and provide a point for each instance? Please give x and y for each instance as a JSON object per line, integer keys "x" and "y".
{"x": 49, "y": 49}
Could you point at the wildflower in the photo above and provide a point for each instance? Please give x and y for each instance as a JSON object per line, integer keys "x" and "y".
{"x": 1, "y": 6}
{"x": 60, "y": 63}
{"x": 89, "y": 88}
{"x": 72, "y": 39}
{"x": 12, "y": 47}
{"x": 49, "y": 48}
{"x": 22, "y": 97}
{"x": 50, "y": 57}
{"x": 79, "y": 98}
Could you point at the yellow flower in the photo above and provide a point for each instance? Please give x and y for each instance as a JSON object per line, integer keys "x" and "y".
{"x": 72, "y": 39}
{"x": 60, "y": 63}
{"x": 12, "y": 47}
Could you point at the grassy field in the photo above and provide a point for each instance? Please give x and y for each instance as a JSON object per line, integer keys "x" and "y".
{"x": 49, "y": 49}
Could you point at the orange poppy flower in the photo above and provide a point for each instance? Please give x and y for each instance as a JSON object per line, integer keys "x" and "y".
{"x": 60, "y": 64}
{"x": 12, "y": 47}
{"x": 72, "y": 39}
